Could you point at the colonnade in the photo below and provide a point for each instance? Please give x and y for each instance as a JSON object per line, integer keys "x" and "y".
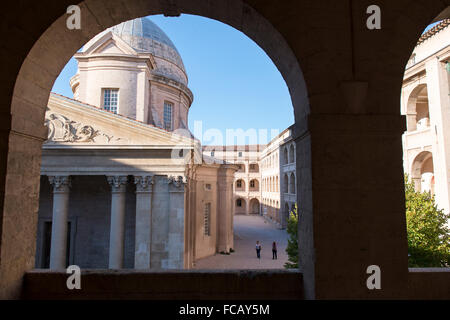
{"x": 143, "y": 232}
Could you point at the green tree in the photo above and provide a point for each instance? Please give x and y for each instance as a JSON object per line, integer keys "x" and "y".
{"x": 292, "y": 247}
{"x": 428, "y": 234}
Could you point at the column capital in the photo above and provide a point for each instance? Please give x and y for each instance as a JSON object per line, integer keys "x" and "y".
{"x": 60, "y": 183}
{"x": 117, "y": 183}
{"x": 178, "y": 182}
{"x": 143, "y": 183}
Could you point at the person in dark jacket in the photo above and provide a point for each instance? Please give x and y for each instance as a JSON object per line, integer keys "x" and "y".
{"x": 274, "y": 250}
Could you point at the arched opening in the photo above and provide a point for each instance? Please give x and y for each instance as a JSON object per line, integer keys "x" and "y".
{"x": 240, "y": 206}
{"x": 418, "y": 114}
{"x": 292, "y": 154}
{"x": 422, "y": 172}
{"x": 240, "y": 185}
{"x": 286, "y": 183}
{"x": 254, "y": 185}
{"x": 292, "y": 184}
{"x": 425, "y": 103}
{"x": 254, "y": 206}
{"x": 56, "y": 46}
{"x": 285, "y": 155}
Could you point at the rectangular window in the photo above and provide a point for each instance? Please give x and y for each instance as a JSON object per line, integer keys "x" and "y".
{"x": 212, "y": 153}
{"x": 208, "y": 186}
{"x": 240, "y": 154}
{"x": 110, "y": 99}
{"x": 168, "y": 111}
{"x": 207, "y": 218}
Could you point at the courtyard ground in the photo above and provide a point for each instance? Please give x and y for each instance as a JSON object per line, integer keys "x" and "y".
{"x": 247, "y": 230}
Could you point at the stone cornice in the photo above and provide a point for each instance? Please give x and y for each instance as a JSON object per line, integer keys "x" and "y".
{"x": 173, "y": 83}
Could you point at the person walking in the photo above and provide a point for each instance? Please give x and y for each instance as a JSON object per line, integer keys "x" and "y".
{"x": 258, "y": 250}
{"x": 274, "y": 250}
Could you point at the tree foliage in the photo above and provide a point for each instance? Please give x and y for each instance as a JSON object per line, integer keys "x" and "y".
{"x": 292, "y": 247}
{"x": 428, "y": 232}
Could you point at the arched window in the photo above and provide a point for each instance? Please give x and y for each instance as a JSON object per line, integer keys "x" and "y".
{"x": 286, "y": 183}
{"x": 254, "y": 185}
{"x": 240, "y": 184}
{"x": 292, "y": 184}
{"x": 292, "y": 154}
{"x": 286, "y": 156}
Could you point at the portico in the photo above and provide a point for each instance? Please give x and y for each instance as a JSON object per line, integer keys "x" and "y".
{"x": 122, "y": 185}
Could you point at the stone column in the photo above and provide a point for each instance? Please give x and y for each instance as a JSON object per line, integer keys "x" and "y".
{"x": 225, "y": 205}
{"x": 143, "y": 231}
{"x": 58, "y": 247}
{"x": 176, "y": 222}
{"x": 355, "y": 190}
{"x": 116, "y": 239}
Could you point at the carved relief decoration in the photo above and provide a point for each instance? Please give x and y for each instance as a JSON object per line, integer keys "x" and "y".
{"x": 143, "y": 183}
{"x": 62, "y": 129}
{"x": 177, "y": 181}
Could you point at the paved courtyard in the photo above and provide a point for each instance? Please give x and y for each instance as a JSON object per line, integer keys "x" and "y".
{"x": 247, "y": 230}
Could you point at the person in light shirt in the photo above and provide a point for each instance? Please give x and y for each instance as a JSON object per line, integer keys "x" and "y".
{"x": 258, "y": 250}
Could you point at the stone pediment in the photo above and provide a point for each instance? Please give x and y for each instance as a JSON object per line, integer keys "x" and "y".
{"x": 108, "y": 43}
{"x": 74, "y": 123}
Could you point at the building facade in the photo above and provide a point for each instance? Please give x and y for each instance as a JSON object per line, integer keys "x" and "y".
{"x": 247, "y": 179}
{"x": 123, "y": 184}
{"x": 265, "y": 182}
{"x": 426, "y": 105}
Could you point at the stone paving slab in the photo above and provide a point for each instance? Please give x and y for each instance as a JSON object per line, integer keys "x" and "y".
{"x": 247, "y": 230}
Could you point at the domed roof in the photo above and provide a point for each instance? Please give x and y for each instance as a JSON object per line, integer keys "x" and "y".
{"x": 145, "y": 36}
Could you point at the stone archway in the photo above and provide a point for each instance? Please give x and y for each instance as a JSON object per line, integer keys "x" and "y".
{"x": 421, "y": 166}
{"x": 337, "y": 59}
{"x": 417, "y": 113}
{"x": 240, "y": 206}
{"x": 254, "y": 206}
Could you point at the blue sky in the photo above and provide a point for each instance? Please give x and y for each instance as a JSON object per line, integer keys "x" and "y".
{"x": 235, "y": 84}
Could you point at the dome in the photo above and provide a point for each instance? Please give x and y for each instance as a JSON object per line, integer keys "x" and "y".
{"x": 145, "y": 36}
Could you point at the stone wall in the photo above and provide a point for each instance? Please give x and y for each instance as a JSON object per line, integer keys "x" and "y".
{"x": 353, "y": 193}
